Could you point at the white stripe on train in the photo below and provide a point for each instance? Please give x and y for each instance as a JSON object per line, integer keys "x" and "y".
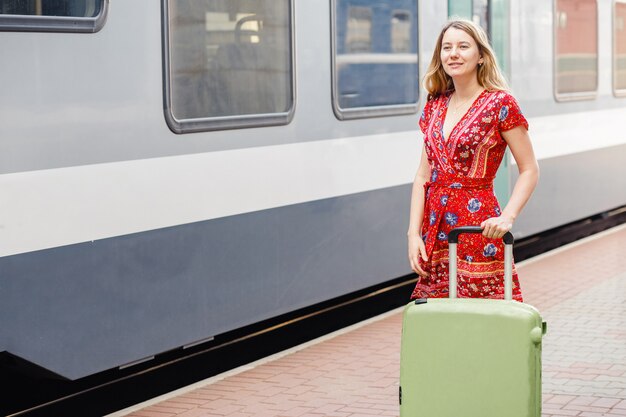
{"x": 49, "y": 208}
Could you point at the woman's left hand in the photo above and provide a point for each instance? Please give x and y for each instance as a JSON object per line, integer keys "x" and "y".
{"x": 496, "y": 227}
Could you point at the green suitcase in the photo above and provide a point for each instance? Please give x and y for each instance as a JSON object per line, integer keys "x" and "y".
{"x": 471, "y": 357}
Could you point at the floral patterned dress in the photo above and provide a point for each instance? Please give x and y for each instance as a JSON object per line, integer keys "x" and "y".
{"x": 460, "y": 193}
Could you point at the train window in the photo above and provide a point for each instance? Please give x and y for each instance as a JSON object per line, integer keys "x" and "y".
{"x": 52, "y": 15}
{"x": 576, "y": 49}
{"x": 374, "y": 56}
{"x": 460, "y": 8}
{"x": 228, "y": 64}
{"x": 619, "y": 48}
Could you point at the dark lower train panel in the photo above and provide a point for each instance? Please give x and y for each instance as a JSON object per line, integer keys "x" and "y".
{"x": 81, "y": 309}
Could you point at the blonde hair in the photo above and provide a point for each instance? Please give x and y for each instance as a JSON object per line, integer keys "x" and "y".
{"x": 437, "y": 82}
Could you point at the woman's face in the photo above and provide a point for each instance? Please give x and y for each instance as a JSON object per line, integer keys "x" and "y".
{"x": 459, "y": 53}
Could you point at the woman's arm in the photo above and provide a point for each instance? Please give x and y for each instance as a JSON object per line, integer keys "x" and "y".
{"x": 522, "y": 150}
{"x": 416, "y": 245}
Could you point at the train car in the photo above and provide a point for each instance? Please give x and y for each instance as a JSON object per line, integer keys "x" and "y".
{"x": 174, "y": 170}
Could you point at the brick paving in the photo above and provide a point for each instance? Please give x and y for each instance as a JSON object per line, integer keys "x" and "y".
{"x": 580, "y": 290}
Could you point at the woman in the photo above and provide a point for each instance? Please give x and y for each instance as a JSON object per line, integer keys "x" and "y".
{"x": 468, "y": 121}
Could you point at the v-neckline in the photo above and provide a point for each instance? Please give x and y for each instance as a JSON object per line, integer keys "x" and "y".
{"x": 445, "y": 115}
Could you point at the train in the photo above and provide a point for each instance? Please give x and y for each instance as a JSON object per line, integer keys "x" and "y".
{"x": 174, "y": 170}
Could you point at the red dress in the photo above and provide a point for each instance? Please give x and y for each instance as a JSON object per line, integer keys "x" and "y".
{"x": 460, "y": 193}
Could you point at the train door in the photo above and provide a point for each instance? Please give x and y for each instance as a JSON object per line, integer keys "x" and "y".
{"x": 493, "y": 16}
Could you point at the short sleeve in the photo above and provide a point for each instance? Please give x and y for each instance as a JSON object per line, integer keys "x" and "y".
{"x": 510, "y": 114}
{"x": 426, "y": 115}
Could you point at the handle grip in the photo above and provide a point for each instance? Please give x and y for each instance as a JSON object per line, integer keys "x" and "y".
{"x": 453, "y": 236}
{"x": 453, "y": 240}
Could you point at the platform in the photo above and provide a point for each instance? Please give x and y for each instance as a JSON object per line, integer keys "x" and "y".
{"x": 580, "y": 290}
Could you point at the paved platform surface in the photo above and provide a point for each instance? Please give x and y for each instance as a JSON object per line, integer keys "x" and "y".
{"x": 579, "y": 289}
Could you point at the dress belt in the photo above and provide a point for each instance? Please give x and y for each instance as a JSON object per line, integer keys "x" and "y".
{"x": 459, "y": 182}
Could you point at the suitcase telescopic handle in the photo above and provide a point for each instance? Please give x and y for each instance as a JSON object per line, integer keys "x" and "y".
{"x": 453, "y": 240}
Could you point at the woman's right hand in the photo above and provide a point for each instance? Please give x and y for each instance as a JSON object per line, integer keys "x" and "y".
{"x": 417, "y": 249}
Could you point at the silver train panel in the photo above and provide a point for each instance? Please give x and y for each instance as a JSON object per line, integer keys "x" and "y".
{"x": 80, "y": 309}
{"x": 532, "y": 60}
{"x": 73, "y": 100}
